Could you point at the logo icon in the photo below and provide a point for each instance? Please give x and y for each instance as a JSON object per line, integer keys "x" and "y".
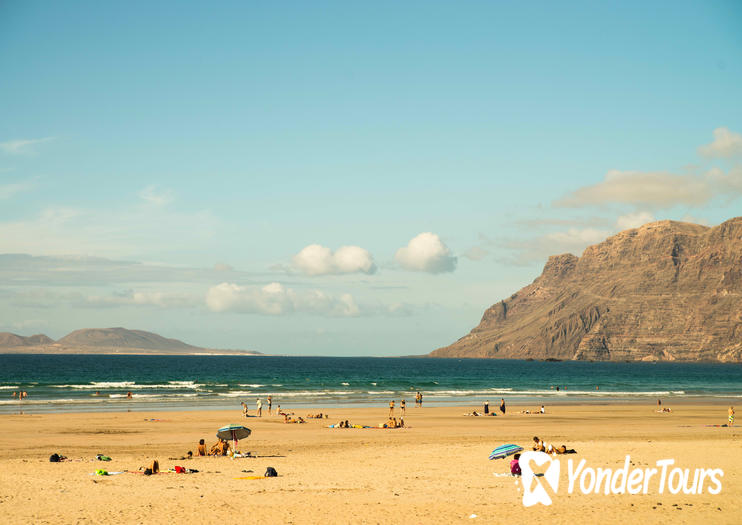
{"x": 533, "y": 490}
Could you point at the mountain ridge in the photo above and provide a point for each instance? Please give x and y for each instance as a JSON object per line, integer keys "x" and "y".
{"x": 664, "y": 291}
{"x": 117, "y": 340}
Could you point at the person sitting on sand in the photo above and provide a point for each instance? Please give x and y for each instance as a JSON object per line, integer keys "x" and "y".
{"x": 201, "y": 448}
{"x": 538, "y": 445}
{"x": 515, "y": 465}
{"x": 215, "y": 448}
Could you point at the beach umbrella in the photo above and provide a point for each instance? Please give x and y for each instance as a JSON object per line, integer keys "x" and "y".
{"x": 504, "y": 451}
{"x": 233, "y": 432}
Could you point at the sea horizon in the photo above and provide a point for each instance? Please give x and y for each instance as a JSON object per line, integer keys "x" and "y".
{"x": 91, "y": 383}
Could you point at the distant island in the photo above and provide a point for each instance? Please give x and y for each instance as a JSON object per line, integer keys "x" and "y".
{"x": 107, "y": 341}
{"x": 667, "y": 291}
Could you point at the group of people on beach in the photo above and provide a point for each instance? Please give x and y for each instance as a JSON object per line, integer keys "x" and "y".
{"x": 259, "y": 407}
{"x": 20, "y": 395}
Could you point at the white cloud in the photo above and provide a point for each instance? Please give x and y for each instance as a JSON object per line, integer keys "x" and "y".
{"x": 146, "y": 298}
{"x": 223, "y": 267}
{"x": 726, "y": 144}
{"x": 577, "y": 237}
{"x": 129, "y": 232}
{"x": 648, "y": 189}
{"x": 634, "y": 220}
{"x": 156, "y": 196}
{"x": 538, "y": 249}
{"x": 21, "y": 146}
{"x": 319, "y": 260}
{"x": 475, "y": 253}
{"x": 9, "y": 190}
{"x": 728, "y": 184}
{"x": 276, "y": 299}
{"x": 426, "y": 253}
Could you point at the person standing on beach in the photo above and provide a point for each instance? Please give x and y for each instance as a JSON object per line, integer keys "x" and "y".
{"x": 486, "y": 407}
{"x": 421, "y": 399}
{"x": 502, "y": 406}
{"x": 259, "y": 402}
{"x": 270, "y": 405}
{"x": 391, "y": 408}
{"x": 244, "y": 408}
{"x": 731, "y": 416}
{"x": 417, "y": 399}
{"x": 402, "y": 406}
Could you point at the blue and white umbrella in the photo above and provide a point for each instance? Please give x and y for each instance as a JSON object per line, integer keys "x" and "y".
{"x": 504, "y": 451}
{"x": 233, "y": 432}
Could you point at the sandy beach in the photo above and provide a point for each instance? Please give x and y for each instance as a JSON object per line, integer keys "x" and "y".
{"x": 434, "y": 471}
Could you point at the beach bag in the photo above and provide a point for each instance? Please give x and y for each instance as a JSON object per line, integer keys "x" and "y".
{"x": 148, "y": 472}
{"x": 271, "y": 472}
{"x": 54, "y": 458}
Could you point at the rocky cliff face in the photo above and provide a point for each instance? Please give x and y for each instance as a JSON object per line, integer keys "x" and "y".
{"x": 665, "y": 291}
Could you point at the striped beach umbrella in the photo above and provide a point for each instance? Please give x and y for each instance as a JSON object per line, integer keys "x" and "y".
{"x": 504, "y": 451}
{"x": 233, "y": 432}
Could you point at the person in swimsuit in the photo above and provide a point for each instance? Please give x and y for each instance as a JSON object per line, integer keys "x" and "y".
{"x": 502, "y": 406}
{"x": 731, "y": 416}
{"x": 391, "y": 408}
{"x": 402, "y": 406}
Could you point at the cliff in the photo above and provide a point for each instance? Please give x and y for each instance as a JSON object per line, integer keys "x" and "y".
{"x": 665, "y": 291}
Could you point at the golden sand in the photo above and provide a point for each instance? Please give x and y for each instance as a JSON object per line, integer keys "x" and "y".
{"x": 434, "y": 471}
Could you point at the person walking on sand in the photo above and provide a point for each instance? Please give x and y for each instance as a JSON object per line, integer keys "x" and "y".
{"x": 259, "y": 402}
{"x": 486, "y": 407}
{"x": 391, "y": 408}
{"x": 402, "y": 406}
{"x": 731, "y": 416}
{"x": 270, "y": 405}
{"x": 502, "y": 406}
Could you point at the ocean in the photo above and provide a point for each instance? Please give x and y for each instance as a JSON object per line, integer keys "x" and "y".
{"x": 77, "y": 383}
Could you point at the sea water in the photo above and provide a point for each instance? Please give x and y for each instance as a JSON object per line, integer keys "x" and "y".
{"x": 101, "y": 383}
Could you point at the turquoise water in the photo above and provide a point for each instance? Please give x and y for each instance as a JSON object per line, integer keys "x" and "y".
{"x": 70, "y": 382}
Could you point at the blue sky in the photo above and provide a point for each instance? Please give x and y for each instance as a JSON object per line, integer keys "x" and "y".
{"x": 197, "y": 170}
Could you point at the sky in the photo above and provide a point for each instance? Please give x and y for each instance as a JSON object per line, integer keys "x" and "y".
{"x": 342, "y": 178}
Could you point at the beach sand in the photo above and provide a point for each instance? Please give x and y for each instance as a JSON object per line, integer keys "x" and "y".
{"x": 434, "y": 471}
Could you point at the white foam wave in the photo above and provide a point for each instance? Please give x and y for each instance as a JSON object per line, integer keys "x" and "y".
{"x": 172, "y": 385}
{"x": 235, "y": 394}
{"x": 9, "y": 387}
{"x": 251, "y": 385}
{"x": 345, "y": 384}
